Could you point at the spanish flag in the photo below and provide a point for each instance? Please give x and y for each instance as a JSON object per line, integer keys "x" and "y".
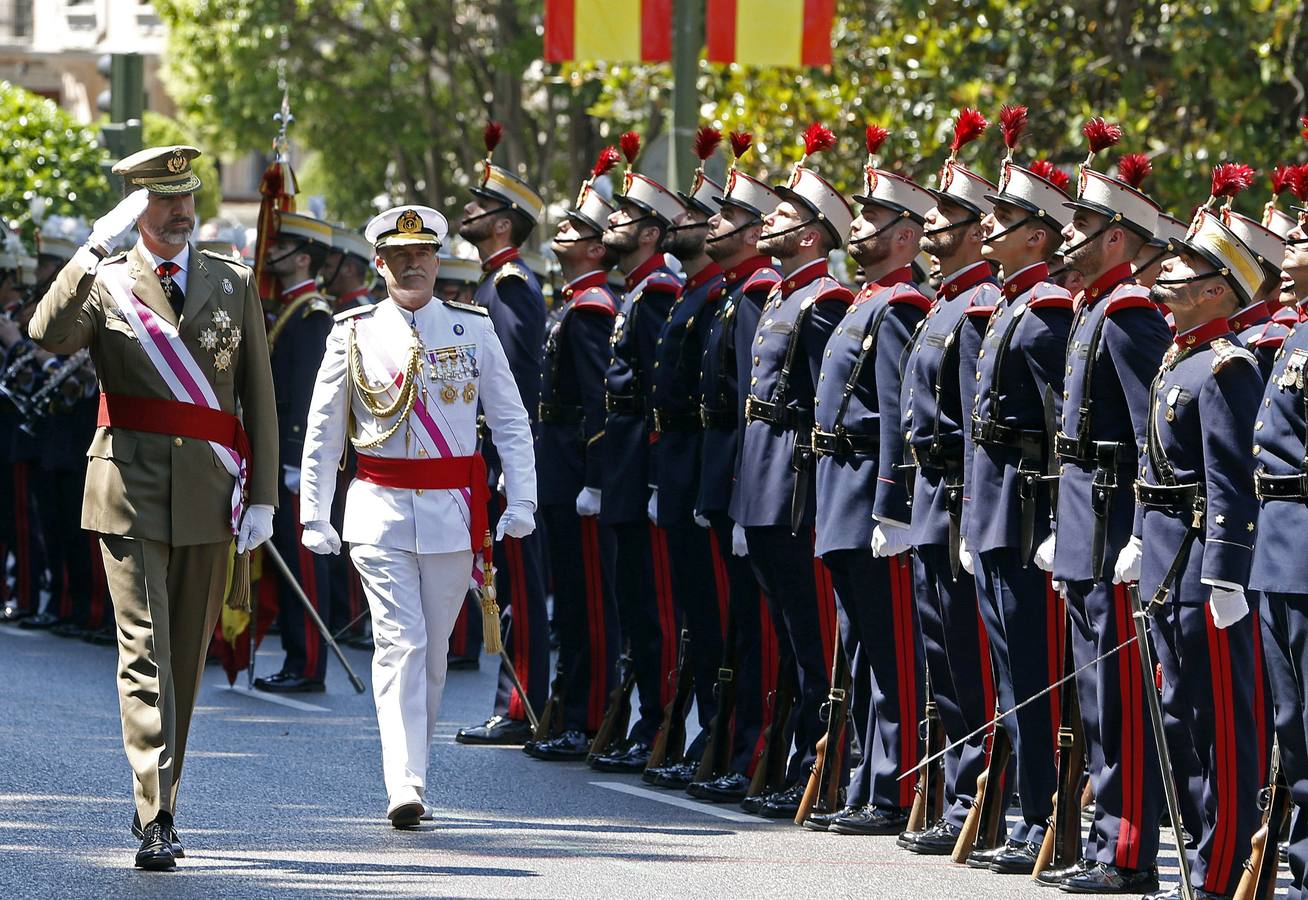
{"x": 770, "y": 32}
{"x": 608, "y": 30}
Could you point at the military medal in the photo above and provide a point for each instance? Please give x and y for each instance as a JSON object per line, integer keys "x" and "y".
{"x": 469, "y": 392}
{"x": 221, "y": 338}
{"x": 448, "y": 393}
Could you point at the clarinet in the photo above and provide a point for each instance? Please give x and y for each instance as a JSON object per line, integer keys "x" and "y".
{"x": 43, "y": 402}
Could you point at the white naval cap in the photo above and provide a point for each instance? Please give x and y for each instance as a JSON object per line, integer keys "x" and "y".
{"x": 402, "y": 225}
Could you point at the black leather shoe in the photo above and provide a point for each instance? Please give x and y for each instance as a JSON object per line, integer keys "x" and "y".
{"x": 632, "y": 758}
{"x": 822, "y": 821}
{"x": 871, "y": 820}
{"x": 729, "y": 788}
{"x": 938, "y": 840}
{"x": 156, "y": 853}
{"x": 359, "y": 642}
{"x": 406, "y": 815}
{"x": 40, "y": 620}
{"x": 784, "y": 804}
{"x": 676, "y": 776}
{"x": 1056, "y": 877}
{"x": 1015, "y": 859}
{"x": 569, "y": 746}
{"x": 497, "y": 730}
{"x": 1102, "y": 878}
{"x": 981, "y": 859}
{"x": 289, "y": 683}
{"x": 173, "y": 840}
{"x": 457, "y": 663}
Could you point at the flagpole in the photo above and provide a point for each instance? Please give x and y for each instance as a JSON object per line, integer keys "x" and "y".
{"x": 687, "y": 41}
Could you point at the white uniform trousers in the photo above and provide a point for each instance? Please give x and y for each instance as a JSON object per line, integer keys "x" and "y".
{"x": 415, "y": 599}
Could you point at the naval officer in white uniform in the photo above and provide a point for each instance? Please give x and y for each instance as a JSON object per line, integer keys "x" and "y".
{"x": 403, "y": 381}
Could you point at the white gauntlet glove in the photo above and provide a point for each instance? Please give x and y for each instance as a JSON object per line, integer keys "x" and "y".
{"x": 1044, "y": 555}
{"x": 1128, "y": 562}
{"x": 739, "y": 546}
{"x": 517, "y": 521}
{"x": 588, "y": 502}
{"x": 113, "y": 226}
{"x": 1228, "y": 606}
{"x": 889, "y": 540}
{"x": 321, "y": 538}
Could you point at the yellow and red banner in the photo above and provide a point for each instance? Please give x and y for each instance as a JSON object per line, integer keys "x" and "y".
{"x": 609, "y": 30}
{"x": 770, "y": 32}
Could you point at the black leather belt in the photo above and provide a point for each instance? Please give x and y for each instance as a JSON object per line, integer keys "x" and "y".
{"x": 1281, "y": 487}
{"x": 1069, "y": 449}
{"x": 845, "y": 444}
{"x": 561, "y": 413}
{"x": 1178, "y": 499}
{"x": 947, "y": 460}
{"x": 789, "y": 417}
{"x": 997, "y": 434}
{"x": 669, "y": 421}
{"x": 717, "y": 418}
{"x": 623, "y": 405}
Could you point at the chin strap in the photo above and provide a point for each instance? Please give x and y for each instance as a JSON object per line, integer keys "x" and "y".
{"x": 880, "y": 231}
{"x": 1016, "y": 225}
{"x": 1191, "y": 280}
{"x": 945, "y": 229}
{"x": 776, "y": 234}
{"x": 732, "y": 233}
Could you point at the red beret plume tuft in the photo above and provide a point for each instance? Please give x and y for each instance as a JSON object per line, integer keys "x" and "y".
{"x": 741, "y": 141}
{"x": 1230, "y": 179}
{"x": 1012, "y": 121}
{"x": 1299, "y": 182}
{"x": 604, "y": 163}
{"x": 630, "y": 143}
{"x": 817, "y": 138}
{"x": 1100, "y": 134}
{"x": 1282, "y": 177}
{"x": 969, "y": 126}
{"x": 706, "y": 142}
{"x": 1304, "y": 123}
{"x": 491, "y": 136}
{"x": 876, "y": 136}
{"x": 1133, "y": 169}
{"x": 1051, "y": 173}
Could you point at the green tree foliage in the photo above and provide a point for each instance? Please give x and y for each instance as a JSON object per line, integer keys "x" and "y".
{"x": 47, "y": 154}
{"x": 158, "y": 130}
{"x": 392, "y": 94}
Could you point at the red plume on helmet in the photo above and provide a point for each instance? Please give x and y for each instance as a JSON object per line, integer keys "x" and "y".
{"x": 1012, "y": 122}
{"x": 630, "y": 144}
{"x": 491, "y": 136}
{"x": 1051, "y": 173}
{"x": 1281, "y": 178}
{"x": 969, "y": 126}
{"x": 1133, "y": 169}
{"x": 1304, "y": 122}
{"x": 706, "y": 142}
{"x": 604, "y": 163}
{"x": 1229, "y": 179}
{"x": 741, "y": 141}
{"x": 875, "y": 136}
{"x": 817, "y": 137}
{"x": 1299, "y": 182}
{"x": 1100, "y": 135}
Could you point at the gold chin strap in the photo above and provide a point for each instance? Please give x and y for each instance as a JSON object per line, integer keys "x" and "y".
{"x": 381, "y": 409}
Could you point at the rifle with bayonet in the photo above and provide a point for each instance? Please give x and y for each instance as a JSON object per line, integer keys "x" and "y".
{"x": 824, "y": 779}
{"x": 770, "y": 768}
{"x": 1258, "y": 881}
{"x": 1061, "y": 846}
{"x": 617, "y": 717}
{"x": 670, "y": 742}
{"x": 717, "y": 749}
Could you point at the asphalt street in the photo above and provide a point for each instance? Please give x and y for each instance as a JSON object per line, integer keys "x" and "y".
{"x": 283, "y": 798}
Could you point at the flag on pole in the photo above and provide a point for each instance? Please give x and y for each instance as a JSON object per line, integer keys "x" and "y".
{"x": 770, "y": 32}
{"x": 609, "y": 30}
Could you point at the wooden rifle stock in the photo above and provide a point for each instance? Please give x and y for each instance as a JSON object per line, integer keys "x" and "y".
{"x": 824, "y": 780}
{"x": 770, "y": 768}
{"x": 928, "y": 796}
{"x": 670, "y": 742}
{"x": 1258, "y": 881}
{"x": 617, "y": 716}
{"x": 1061, "y": 846}
{"x": 991, "y": 803}
{"x": 717, "y": 749}
{"x": 550, "y": 722}
{"x": 967, "y": 837}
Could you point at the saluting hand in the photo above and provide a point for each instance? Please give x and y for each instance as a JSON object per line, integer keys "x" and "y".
{"x": 113, "y": 226}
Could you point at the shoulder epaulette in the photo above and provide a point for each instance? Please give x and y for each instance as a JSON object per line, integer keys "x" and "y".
{"x": 597, "y": 299}
{"x": 983, "y": 299}
{"x": 763, "y": 279}
{"x": 1224, "y": 350}
{"x": 1130, "y": 296}
{"x": 510, "y": 269}
{"x": 466, "y": 307}
{"x": 662, "y": 282}
{"x": 1271, "y": 334}
{"x": 827, "y": 288}
{"x": 230, "y": 260}
{"x": 319, "y": 304}
{"x": 1049, "y": 296}
{"x": 356, "y": 311}
{"x": 910, "y": 295}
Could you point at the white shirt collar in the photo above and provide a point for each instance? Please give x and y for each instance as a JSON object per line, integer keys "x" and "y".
{"x": 182, "y": 259}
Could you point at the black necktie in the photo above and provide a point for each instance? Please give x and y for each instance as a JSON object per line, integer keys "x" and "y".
{"x": 172, "y": 290}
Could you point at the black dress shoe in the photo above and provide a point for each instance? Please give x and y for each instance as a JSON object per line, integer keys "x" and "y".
{"x": 981, "y": 859}
{"x": 784, "y": 804}
{"x": 823, "y": 821}
{"x": 938, "y": 840}
{"x": 40, "y": 620}
{"x": 632, "y": 758}
{"x": 1056, "y": 877}
{"x": 567, "y": 747}
{"x": 156, "y": 853}
{"x": 497, "y": 730}
{"x": 1015, "y": 859}
{"x": 359, "y": 642}
{"x": 676, "y": 776}
{"x": 729, "y": 788}
{"x": 871, "y": 820}
{"x": 174, "y": 841}
{"x": 289, "y": 683}
{"x": 406, "y": 815}
{"x": 1102, "y": 878}
{"x": 458, "y": 663}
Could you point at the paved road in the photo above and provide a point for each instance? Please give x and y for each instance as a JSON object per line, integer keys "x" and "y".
{"x": 286, "y": 801}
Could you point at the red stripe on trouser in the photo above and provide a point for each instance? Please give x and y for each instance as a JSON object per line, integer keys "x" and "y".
{"x": 1225, "y": 821}
{"x": 1260, "y": 700}
{"x": 520, "y": 625}
{"x": 666, "y": 611}
{"x": 23, "y": 544}
{"x": 353, "y": 589}
{"x": 826, "y": 607}
{"x": 1057, "y": 631}
{"x": 1131, "y": 753}
{"x": 720, "y": 579}
{"x": 309, "y": 581}
{"x": 901, "y": 599}
{"x": 459, "y": 639}
{"x": 987, "y": 672}
{"x": 590, "y": 561}
{"x": 768, "y": 662}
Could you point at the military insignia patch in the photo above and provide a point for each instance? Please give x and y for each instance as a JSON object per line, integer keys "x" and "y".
{"x": 458, "y": 328}
{"x": 227, "y": 286}
{"x": 409, "y": 222}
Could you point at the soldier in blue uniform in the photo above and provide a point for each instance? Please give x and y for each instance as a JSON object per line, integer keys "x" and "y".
{"x": 1118, "y": 337}
{"x": 748, "y": 278}
{"x": 878, "y": 621}
{"x": 1197, "y": 521}
{"x": 1250, "y": 322}
{"x": 497, "y": 221}
{"x": 297, "y": 340}
{"x": 775, "y": 503}
{"x": 1280, "y": 567}
{"x": 646, "y": 614}
{"x": 955, "y": 640}
{"x": 571, "y": 440}
{"x": 1019, "y": 389}
{"x": 676, "y": 452}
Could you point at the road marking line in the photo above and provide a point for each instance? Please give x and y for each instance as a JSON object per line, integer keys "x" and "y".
{"x": 707, "y": 809}
{"x": 275, "y": 698}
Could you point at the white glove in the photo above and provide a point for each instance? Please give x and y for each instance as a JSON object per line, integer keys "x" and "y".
{"x": 499, "y": 485}
{"x": 1044, "y": 555}
{"x": 291, "y": 478}
{"x": 256, "y": 527}
{"x": 1058, "y": 586}
{"x": 588, "y": 502}
{"x": 701, "y": 521}
{"x": 965, "y": 557}
{"x": 652, "y": 508}
{"x": 1228, "y": 606}
{"x": 517, "y": 521}
{"x": 1128, "y": 562}
{"x": 113, "y": 226}
{"x": 889, "y": 540}
{"x": 321, "y": 538}
{"x": 739, "y": 546}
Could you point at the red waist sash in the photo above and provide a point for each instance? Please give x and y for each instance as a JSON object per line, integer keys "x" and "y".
{"x": 156, "y": 415}
{"x": 450, "y": 473}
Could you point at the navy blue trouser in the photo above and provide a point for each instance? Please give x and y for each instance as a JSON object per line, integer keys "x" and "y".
{"x": 702, "y": 603}
{"x": 306, "y": 654}
{"x": 647, "y": 615}
{"x": 524, "y": 619}
{"x": 1285, "y": 648}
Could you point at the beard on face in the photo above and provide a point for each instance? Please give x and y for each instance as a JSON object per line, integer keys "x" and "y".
{"x": 945, "y": 244}
{"x": 782, "y": 246}
{"x": 174, "y": 232}
{"x": 684, "y": 243}
{"x": 477, "y": 229}
{"x": 621, "y": 240}
{"x": 870, "y": 253}
{"x": 1085, "y": 258}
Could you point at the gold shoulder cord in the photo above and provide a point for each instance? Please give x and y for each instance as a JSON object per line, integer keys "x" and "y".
{"x": 403, "y": 404}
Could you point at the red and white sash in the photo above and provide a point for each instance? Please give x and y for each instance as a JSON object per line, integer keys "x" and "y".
{"x": 179, "y": 370}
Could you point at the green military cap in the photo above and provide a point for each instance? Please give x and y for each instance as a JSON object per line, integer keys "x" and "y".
{"x": 160, "y": 170}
